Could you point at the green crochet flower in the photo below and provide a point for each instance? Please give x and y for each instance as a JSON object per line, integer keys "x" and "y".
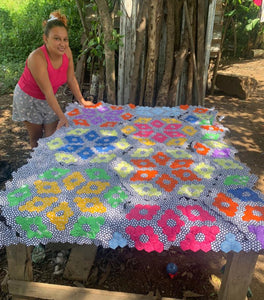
{"x": 103, "y": 158}
{"x": 55, "y": 143}
{"x": 97, "y": 173}
{"x": 122, "y": 144}
{"x": 204, "y": 170}
{"x": 142, "y": 152}
{"x": 191, "y": 190}
{"x": 65, "y": 158}
{"x": 124, "y": 169}
{"x": 228, "y": 164}
{"x": 54, "y": 173}
{"x": 115, "y": 196}
{"x": 18, "y": 195}
{"x": 94, "y": 224}
{"x": 236, "y": 180}
{"x": 28, "y": 225}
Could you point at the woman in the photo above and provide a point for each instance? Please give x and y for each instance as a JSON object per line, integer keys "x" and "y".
{"x": 46, "y": 69}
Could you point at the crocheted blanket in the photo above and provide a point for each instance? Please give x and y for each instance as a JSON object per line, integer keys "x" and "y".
{"x": 142, "y": 177}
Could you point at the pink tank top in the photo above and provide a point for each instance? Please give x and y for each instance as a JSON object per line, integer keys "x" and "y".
{"x": 57, "y": 77}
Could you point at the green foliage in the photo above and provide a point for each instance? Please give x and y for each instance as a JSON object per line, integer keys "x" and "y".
{"x": 21, "y": 32}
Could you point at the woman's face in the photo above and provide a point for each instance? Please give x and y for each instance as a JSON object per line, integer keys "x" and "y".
{"x": 57, "y": 41}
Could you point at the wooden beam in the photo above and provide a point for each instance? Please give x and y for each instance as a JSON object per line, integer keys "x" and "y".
{"x": 237, "y": 276}
{"x": 61, "y": 292}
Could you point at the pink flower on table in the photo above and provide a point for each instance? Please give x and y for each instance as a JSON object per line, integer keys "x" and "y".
{"x": 196, "y": 213}
{"x": 200, "y": 238}
{"x": 171, "y": 224}
{"x": 145, "y": 238}
{"x": 140, "y": 212}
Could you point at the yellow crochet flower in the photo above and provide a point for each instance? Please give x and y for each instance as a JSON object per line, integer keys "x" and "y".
{"x": 93, "y": 187}
{"x": 38, "y": 204}
{"x": 143, "y": 120}
{"x": 171, "y": 120}
{"x": 60, "y": 215}
{"x": 97, "y": 207}
{"x": 128, "y": 129}
{"x": 145, "y": 141}
{"x": 189, "y": 130}
{"x": 177, "y": 142}
{"x": 46, "y": 187}
{"x": 73, "y": 180}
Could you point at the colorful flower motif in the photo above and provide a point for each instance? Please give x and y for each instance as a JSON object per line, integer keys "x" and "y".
{"x": 201, "y": 149}
{"x": 54, "y": 173}
{"x": 143, "y": 120}
{"x": 146, "y": 189}
{"x": 185, "y": 175}
{"x": 93, "y": 223}
{"x": 73, "y": 180}
{"x": 200, "y": 110}
{"x": 145, "y": 238}
{"x": 176, "y": 142}
{"x": 96, "y": 120}
{"x": 109, "y": 124}
{"x": 161, "y": 158}
{"x": 173, "y": 127}
{"x": 93, "y": 187}
{"x": 105, "y": 140}
{"x": 103, "y": 158}
{"x": 144, "y": 133}
{"x": 215, "y": 144}
{"x": 191, "y": 190}
{"x": 191, "y": 119}
{"x": 117, "y": 241}
{"x": 144, "y": 175}
{"x": 124, "y": 169}
{"x": 28, "y": 224}
{"x": 18, "y": 195}
{"x": 115, "y": 107}
{"x": 179, "y": 153}
{"x": 74, "y": 112}
{"x": 91, "y": 135}
{"x": 221, "y": 153}
{"x": 171, "y": 121}
{"x": 259, "y": 232}
{"x": 70, "y": 148}
{"x": 143, "y": 126}
{"x": 46, "y": 187}
{"x": 77, "y": 131}
{"x": 171, "y": 224}
{"x": 60, "y": 215}
{"x": 38, "y": 204}
{"x": 81, "y": 122}
{"x": 181, "y": 163}
{"x": 97, "y": 206}
{"x": 236, "y": 180}
{"x": 143, "y": 163}
{"x": 86, "y": 153}
{"x": 104, "y": 148}
{"x": 245, "y": 194}
{"x": 145, "y": 141}
{"x": 212, "y": 127}
{"x": 184, "y": 107}
{"x": 159, "y": 137}
{"x": 142, "y": 152}
{"x": 173, "y": 134}
{"x": 122, "y": 144}
{"x": 225, "y": 205}
{"x": 200, "y": 238}
{"x": 157, "y": 123}
{"x": 231, "y": 244}
{"x": 97, "y": 173}
{"x": 204, "y": 170}
{"x": 127, "y": 116}
{"x": 128, "y": 129}
{"x": 65, "y": 158}
{"x": 72, "y": 139}
{"x": 211, "y": 136}
{"x": 228, "y": 164}
{"x": 167, "y": 183}
{"x": 255, "y": 213}
{"x": 196, "y": 213}
{"x": 143, "y": 212}
{"x": 55, "y": 143}
{"x": 189, "y": 130}
{"x": 115, "y": 196}
{"x": 108, "y": 133}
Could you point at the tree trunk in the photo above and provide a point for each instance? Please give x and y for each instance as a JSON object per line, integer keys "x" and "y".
{"x": 156, "y": 11}
{"x": 141, "y": 29}
{"x": 165, "y": 84}
{"x": 109, "y": 54}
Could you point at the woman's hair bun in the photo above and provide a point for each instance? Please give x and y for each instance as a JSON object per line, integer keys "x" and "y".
{"x": 56, "y": 15}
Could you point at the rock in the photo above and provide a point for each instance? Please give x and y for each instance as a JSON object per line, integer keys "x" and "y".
{"x": 256, "y": 53}
{"x": 236, "y": 85}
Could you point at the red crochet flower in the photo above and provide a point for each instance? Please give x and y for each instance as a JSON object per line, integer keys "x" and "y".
{"x": 145, "y": 238}
{"x": 142, "y": 212}
{"x": 195, "y": 213}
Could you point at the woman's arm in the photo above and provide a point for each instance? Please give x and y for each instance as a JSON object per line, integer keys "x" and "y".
{"x": 38, "y": 67}
{"x": 73, "y": 83}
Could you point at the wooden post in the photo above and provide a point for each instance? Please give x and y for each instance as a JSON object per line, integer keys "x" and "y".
{"x": 237, "y": 276}
{"x": 19, "y": 264}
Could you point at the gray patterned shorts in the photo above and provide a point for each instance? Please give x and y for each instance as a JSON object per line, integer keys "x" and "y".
{"x": 27, "y": 108}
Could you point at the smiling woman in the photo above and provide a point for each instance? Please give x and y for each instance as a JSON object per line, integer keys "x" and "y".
{"x": 46, "y": 69}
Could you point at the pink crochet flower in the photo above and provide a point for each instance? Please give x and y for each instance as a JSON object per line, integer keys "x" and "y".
{"x": 195, "y": 213}
{"x": 145, "y": 238}
{"x": 171, "y": 230}
{"x": 140, "y": 212}
{"x": 200, "y": 238}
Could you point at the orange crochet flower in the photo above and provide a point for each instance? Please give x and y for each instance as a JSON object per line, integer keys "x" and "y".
{"x": 166, "y": 182}
{"x": 145, "y": 175}
{"x": 211, "y": 127}
{"x": 201, "y": 149}
{"x": 200, "y": 110}
{"x": 181, "y": 163}
{"x": 74, "y": 112}
{"x": 108, "y": 124}
{"x": 186, "y": 175}
{"x": 127, "y": 116}
{"x": 184, "y": 107}
{"x": 229, "y": 210}
{"x": 255, "y": 213}
{"x": 81, "y": 122}
{"x": 161, "y": 158}
{"x": 143, "y": 163}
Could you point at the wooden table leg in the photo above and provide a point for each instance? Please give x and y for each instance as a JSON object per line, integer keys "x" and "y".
{"x": 19, "y": 264}
{"x": 237, "y": 276}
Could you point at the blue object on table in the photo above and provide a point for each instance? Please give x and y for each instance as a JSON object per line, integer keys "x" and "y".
{"x": 172, "y": 269}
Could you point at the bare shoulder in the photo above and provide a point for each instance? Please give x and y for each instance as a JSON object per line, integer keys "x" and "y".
{"x": 37, "y": 56}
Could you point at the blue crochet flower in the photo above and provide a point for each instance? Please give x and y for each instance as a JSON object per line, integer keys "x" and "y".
{"x": 191, "y": 119}
{"x": 117, "y": 240}
{"x": 231, "y": 244}
{"x": 245, "y": 194}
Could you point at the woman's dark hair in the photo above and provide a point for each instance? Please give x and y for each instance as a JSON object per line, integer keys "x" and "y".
{"x": 56, "y": 20}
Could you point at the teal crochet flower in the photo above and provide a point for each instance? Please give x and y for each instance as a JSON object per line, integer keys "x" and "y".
{"x": 115, "y": 196}
{"x": 231, "y": 244}
{"x": 97, "y": 173}
{"x": 94, "y": 224}
{"x": 34, "y": 227}
{"x": 18, "y": 195}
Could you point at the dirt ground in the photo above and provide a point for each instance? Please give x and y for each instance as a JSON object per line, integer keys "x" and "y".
{"x": 129, "y": 270}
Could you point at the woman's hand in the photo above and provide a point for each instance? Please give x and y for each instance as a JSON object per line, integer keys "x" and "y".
{"x": 63, "y": 121}
{"x": 85, "y": 103}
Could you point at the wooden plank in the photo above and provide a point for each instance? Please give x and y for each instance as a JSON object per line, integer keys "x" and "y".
{"x": 237, "y": 276}
{"x": 80, "y": 262}
{"x": 60, "y": 292}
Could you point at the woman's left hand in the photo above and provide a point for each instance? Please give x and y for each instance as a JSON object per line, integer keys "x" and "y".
{"x": 85, "y": 103}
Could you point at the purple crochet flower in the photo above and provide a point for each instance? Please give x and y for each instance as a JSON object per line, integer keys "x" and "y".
{"x": 259, "y": 232}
